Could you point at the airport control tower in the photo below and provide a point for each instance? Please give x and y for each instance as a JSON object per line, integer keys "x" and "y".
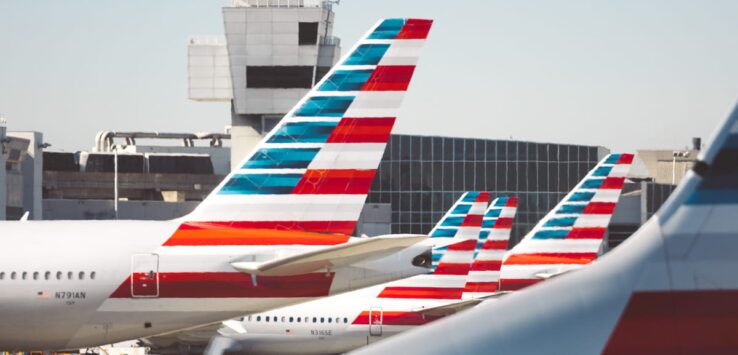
{"x": 272, "y": 54}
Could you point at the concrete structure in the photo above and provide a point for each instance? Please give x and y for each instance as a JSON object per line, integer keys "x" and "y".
{"x": 31, "y": 168}
{"x": 3, "y": 179}
{"x": 276, "y": 51}
{"x": 639, "y": 201}
{"x": 214, "y": 145}
{"x": 208, "y": 72}
{"x": 670, "y": 166}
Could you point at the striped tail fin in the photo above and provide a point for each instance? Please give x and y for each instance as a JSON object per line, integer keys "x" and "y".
{"x": 462, "y": 221}
{"x": 484, "y": 275}
{"x": 571, "y": 235}
{"x": 313, "y": 171}
{"x": 448, "y": 278}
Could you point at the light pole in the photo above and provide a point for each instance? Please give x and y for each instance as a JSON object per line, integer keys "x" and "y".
{"x": 681, "y": 154}
{"x": 115, "y": 181}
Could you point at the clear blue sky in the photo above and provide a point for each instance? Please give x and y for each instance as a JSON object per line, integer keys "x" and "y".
{"x": 625, "y": 74}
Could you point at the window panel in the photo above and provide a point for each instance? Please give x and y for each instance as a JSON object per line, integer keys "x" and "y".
{"x": 512, "y": 176}
{"x": 490, "y": 176}
{"x": 512, "y": 151}
{"x": 592, "y": 154}
{"x": 500, "y": 178}
{"x": 448, "y": 176}
{"x": 480, "y": 172}
{"x": 279, "y": 77}
{"x": 405, "y": 150}
{"x": 492, "y": 150}
{"x": 458, "y": 149}
{"x": 583, "y": 156}
{"x": 394, "y": 146}
{"x": 426, "y": 148}
{"x": 532, "y": 176}
{"x": 416, "y": 176}
{"x": 458, "y": 176}
{"x": 481, "y": 149}
{"x": 563, "y": 176}
{"x": 522, "y": 175}
{"x": 470, "y": 150}
{"x": 502, "y": 151}
{"x": 543, "y": 179}
{"x": 426, "y": 176}
{"x": 469, "y": 175}
{"x": 438, "y": 149}
{"x": 437, "y": 173}
{"x": 553, "y": 175}
{"x": 307, "y": 33}
{"x": 404, "y": 168}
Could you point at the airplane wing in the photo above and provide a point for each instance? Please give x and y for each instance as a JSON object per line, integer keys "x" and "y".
{"x": 330, "y": 257}
{"x": 448, "y": 309}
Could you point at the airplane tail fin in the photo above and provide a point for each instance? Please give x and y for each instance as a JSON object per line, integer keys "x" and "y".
{"x": 461, "y": 222}
{"x": 449, "y": 275}
{"x": 571, "y": 234}
{"x": 484, "y": 275}
{"x": 313, "y": 171}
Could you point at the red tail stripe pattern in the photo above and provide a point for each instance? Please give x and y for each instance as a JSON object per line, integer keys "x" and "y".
{"x": 550, "y": 258}
{"x": 600, "y": 208}
{"x": 586, "y": 233}
{"x": 389, "y": 78}
{"x": 472, "y": 220}
{"x": 415, "y": 29}
{"x": 232, "y": 284}
{"x": 421, "y": 292}
{"x": 486, "y": 265}
{"x": 625, "y": 159}
{"x": 503, "y": 223}
{"x": 467, "y": 245}
{"x": 613, "y": 183}
{"x": 362, "y": 130}
{"x": 337, "y": 182}
{"x": 480, "y": 287}
{"x": 337, "y": 227}
{"x": 451, "y": 269}
{"x": 494, "y": 245}
{"x": 186, "y": 235}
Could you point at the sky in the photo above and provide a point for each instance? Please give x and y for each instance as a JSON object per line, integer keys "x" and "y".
{"x": 624, "y": 74}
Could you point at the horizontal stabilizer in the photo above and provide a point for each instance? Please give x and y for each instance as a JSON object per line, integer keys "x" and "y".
{"x": 330, "y": 257}
{"x": 448, "y": 309}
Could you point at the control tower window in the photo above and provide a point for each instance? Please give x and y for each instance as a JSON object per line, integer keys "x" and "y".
{"x": 308, "y": 33}
{"x": 279, "y": 77}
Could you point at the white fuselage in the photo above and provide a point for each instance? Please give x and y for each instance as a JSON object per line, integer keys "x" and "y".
{"x": 72, "y": 284}
{"x": 327, "y": 326}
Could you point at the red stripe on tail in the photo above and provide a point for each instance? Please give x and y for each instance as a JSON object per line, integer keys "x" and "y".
{"x": 389, "y": 78}
{"x": 415, "y": 29}
{"x": 335, "y": 182}
{"x": 550, "y": 258}
{"x": 421, "y": 292}
{"x": 362, "y": 130}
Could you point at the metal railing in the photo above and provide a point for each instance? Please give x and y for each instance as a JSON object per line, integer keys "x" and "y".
{"x": 277, "y": 3}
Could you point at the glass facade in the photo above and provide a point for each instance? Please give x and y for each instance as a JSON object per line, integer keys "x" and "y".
{"x": 422, "y": 176}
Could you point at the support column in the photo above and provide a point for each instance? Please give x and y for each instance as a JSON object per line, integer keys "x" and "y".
{"x": 3, "y": 179}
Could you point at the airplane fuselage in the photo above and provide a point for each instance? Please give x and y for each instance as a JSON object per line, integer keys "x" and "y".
{"x": 72, "y": 284}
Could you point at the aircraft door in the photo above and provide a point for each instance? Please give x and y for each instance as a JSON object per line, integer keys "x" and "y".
{"x": 145, "y": 275}
{"x": 375, "y": 321}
